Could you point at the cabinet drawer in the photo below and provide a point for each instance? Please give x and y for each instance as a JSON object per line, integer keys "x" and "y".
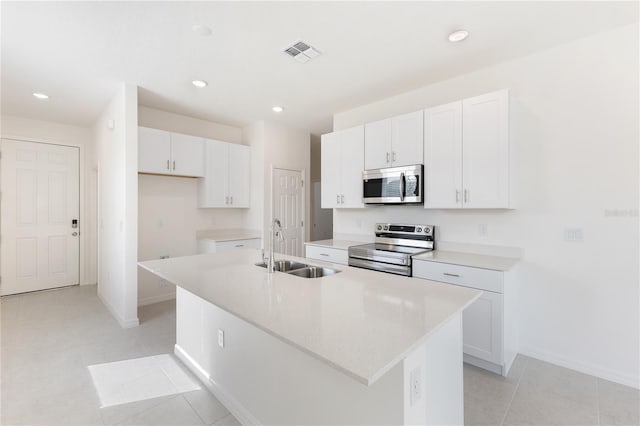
{"x": 327, "y": 254}
{"x": 482, "y": 279}
{"x": 238, "y": 244}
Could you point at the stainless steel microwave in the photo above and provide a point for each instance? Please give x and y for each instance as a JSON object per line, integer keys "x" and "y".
{"x": 393, "y": 185}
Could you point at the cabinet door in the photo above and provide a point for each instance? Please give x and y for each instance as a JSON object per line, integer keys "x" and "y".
{"x": 154, "y": 151}
{"x": 239, "y": 175}
{"x": 377, "y": 144}
{"x": 407, "y": 139}
{"x": 212, "y": 190}
{"x": 352, "y": 165}
{"x": 485, "y": 150}
{"x": 330, "y": 165}
{"x": 443, "y": 156}
{"x": 482, "y": 328}
{"x": 187, "y": 155}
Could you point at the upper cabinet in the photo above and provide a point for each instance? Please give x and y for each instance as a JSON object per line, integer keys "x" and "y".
{"x": 467, "y": 153}
{"x": 396, "y": 141}
{"x": 166, "y": 153}
{"x": 342, "y": 164}
{"x": 227, "y": 176}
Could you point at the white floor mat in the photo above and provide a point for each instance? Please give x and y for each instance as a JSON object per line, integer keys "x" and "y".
{"x": 138, "y": 379}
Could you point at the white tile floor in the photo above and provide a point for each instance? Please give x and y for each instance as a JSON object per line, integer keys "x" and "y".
{"x": 50, "y": 338}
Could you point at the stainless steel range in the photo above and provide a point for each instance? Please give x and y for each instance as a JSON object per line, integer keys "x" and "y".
{"x": 393, "y": 247}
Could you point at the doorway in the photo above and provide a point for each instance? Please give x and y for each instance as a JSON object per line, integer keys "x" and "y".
{"x": 40, "y": 209}
{"x": 288, "y": 206}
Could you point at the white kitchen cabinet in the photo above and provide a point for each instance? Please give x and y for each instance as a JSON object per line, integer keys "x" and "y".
{"x": 166, "y": 153}
{"x": 227, "y": 175}
{"x": 215, "y": 246}
{"x": 342, "y": 164}
{"x": 396, "y": 141}
{"x": 328, "y": 254}
{"x": 468, "y": 155}
{"x": 490, "y": 323}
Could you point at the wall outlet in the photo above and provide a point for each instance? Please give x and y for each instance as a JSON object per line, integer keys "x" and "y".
{"x": 574, "y": 235}
{"x": 483, "y": 230}
{"x": 415, "y": 383}
{"x": 220, "y": 338}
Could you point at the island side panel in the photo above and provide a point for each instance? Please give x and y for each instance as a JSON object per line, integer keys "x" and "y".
{"x": 263, "y": 380}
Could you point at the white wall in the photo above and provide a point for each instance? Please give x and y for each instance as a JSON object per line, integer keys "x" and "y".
{"x": 117, "y": 162}
{"x": 277, "y": 146}
{"x": 575, "y": 121}
{"x": 43, "y": 131}
{"x": 168, "y": 206}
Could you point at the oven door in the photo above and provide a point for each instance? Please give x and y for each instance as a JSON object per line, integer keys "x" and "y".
{"x": 395, "y": 185}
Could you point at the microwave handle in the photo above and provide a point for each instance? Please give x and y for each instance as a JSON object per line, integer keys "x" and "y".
{"x": 402, "y": 186}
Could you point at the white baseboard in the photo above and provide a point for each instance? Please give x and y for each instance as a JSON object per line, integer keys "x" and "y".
{"x": 156, "y": 299}
{"x": 231, "y": 404}
{"x": 583, "y": 367}
{"x": 124, "y": 323}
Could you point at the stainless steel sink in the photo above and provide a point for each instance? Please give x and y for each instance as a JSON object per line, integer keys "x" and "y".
{"x": 284, "y": 265}
{"x": 313, "y": 272}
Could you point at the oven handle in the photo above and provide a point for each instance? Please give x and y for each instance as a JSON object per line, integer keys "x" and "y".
{"x": 403, "y": 184}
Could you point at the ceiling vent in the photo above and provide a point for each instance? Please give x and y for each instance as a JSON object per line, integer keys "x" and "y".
{"x": 301, "y": 52}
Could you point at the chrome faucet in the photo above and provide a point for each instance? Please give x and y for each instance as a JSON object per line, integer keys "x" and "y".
{"x": 271, "y": 267}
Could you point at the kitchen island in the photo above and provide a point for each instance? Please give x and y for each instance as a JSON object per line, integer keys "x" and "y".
{"x": 357, "y": 347}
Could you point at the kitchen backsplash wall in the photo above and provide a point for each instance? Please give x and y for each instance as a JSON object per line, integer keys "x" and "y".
{"x": 574, "y": 121}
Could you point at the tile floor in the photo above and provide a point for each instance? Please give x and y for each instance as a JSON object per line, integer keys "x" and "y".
{"x": 50, "y": 338}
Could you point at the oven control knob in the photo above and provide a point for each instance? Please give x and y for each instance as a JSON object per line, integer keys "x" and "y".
{"x": 426, "y": 230}
{"x": 379, "y": 228}
{"x": 419, "y": 229}
{"x": 386, "y": 228}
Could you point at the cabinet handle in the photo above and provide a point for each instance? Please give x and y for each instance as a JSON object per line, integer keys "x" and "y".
{"x": 239, "y": 245}
{"x": 324, "y": 254}
{"x": 174, "y": 164}
{"x": 387, "y": 157}
{"x": 394, "y": 156}
{"x": 231, "y": 200}
{"x": 342, "y": 199}
{"x": 451, "y": 275}
{"x": 226, "y": 199}
{"x": 457, "y": 196}
{"x": 466, "y": 195}
{"x": 337, "y": 199}
{"x": 168, "y": 168}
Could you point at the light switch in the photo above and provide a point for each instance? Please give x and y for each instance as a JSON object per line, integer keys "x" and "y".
{"x": 575, "y": 235}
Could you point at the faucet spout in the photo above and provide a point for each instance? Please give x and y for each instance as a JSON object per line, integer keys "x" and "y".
{"x": 271, "y": 267}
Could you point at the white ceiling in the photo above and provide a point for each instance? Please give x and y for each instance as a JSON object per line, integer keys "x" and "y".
{"x": 77, "y": 52}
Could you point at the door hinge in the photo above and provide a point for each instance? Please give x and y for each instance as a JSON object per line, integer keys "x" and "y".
{"x": 302, "y": 223}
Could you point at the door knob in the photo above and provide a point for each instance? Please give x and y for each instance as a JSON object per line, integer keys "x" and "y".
{"x": 75, "y": 234}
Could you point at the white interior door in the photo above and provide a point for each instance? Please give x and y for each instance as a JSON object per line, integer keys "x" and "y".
{"x": 288, "y": 206}
{"x": 40, "y": 198}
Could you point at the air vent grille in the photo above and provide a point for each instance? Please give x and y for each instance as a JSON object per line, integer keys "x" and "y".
{"x": 301, "y": 51}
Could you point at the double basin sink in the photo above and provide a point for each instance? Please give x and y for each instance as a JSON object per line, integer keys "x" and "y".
{"x": 299, "y": 269}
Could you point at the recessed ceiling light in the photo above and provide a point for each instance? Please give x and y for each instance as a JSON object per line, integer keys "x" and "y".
{"x": 41, "y": 95}
{"x": 201, "y": 30}
{"x": 277, "y": 109}
{"x": 199, "y": 83}
{"x": 458, "y": 35}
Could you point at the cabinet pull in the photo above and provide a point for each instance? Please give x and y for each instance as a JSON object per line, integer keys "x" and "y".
{"x": 324, "y": 254}
{"x": 231, "y": 200}
{"x": 457, "y": 195}
{"x": 239, "y": 245}
{"x": 451, "y": 275}
{"x": 393, "y": 156}
{"x": 168, "y": 168}
{"x": 337, "y": 198}
{"x": 387, "y": 157}
{"x": 342, "y": 199}
{"x": 174, "y": 164}
{"x": 466, "y": 195}
{"x": 226, "y": 200}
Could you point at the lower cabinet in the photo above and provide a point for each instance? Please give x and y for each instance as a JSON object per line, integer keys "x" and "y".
{"x": 490, "y": 334}
{"x": 328, "y": 254}
{"x": 213, "y": 246}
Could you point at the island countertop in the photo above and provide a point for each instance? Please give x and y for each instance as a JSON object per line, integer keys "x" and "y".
{"x": 359, "y": 321}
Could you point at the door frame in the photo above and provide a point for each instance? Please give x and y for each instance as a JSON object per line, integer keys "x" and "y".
{"x": 303, "y": 173}
{"x": 84, "y": 228}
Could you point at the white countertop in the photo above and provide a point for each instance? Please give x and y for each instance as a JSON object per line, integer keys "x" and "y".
{"x": 496, "y": 263}
{"x": 359, "y": 321}
{"x": 227, "y": 234}
{"x": 337, "y": 244}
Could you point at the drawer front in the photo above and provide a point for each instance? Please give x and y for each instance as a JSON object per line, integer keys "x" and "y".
{"x": 238, "y": 244}
{"x": 482, "y": 279}
{"x": 327, "y": 254}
